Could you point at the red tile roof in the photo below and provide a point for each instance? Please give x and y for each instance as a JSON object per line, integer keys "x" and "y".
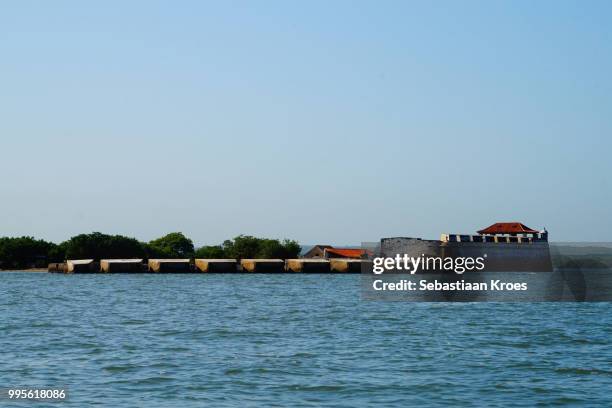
{"x": 344, "y": 252}
{"x": 507, "y": 228}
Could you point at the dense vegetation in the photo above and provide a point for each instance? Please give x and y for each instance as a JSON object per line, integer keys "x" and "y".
{"x": 173, "y": 245}
{"x": 25, "y": 252}
{"x": 28, "y": 252}
{"x": 246, "y": 246}
{"x": 97, "y": 245}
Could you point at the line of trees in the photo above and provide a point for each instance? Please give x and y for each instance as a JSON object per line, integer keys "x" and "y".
{"x": 248, "y": 247}
{"x": 28, "y": 252}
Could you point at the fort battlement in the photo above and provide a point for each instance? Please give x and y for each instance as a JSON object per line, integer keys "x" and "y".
{"x": 506, "y": 246}
{"x": 499, "y": 239}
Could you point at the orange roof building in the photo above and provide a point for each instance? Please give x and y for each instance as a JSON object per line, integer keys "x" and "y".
{"x": 317, "y": 251}
{"x": 354, "y": 253}
{"x": 511, "y": 228}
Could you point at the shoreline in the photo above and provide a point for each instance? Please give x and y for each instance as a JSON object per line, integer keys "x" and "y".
{"x": 25, "y": 270}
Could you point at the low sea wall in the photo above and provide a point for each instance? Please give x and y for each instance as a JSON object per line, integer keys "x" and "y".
{"x": 301, "y": 265}
{"x": 122, "y": 265}
{"x": 82, "y": 266}
{"x": 307, "y": 265}
{"x": 170, "y": 265}
{"x": 216, "y": 265}
{"x": 263, "y": 265}
{"x": 345, "y": 265}
{"x": 58, "y": 267}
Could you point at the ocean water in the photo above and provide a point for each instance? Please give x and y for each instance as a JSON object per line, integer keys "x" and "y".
{"x": 291, "y": 340}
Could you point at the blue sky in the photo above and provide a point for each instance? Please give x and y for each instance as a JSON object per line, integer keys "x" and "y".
{"x": 327, "y": 122}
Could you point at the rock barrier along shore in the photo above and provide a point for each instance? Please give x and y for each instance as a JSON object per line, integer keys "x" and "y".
{"x": 334, "y": 265}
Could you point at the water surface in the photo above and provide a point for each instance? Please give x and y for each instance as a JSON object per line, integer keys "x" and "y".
{"x": 292, "y": 340}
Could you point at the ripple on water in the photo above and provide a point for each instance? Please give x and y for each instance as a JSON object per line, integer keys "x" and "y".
{"x": 293, "y": 340}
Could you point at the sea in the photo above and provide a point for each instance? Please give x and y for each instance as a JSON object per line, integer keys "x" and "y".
{"x": 240, "y": 340}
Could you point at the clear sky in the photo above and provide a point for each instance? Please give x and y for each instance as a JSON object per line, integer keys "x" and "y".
{"x": 327, "y": 122}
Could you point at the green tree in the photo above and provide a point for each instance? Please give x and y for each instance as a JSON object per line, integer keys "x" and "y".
{"x": 57, "y": 253}
{"x": 173, "y": 245}
{"x": 99, "y": 246}
{"x": 292, "y": 249}
{"x": 24, "y": 252}
{"x": 242, "y": 247}
{"x": 246, "y": 246}
{"x": 210, "y": 252}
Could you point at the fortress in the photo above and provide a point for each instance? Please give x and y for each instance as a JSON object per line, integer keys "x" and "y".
{"x": 506, "y": 246}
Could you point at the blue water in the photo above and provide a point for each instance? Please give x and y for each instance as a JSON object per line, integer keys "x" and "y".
{"x": 292, "y": 340}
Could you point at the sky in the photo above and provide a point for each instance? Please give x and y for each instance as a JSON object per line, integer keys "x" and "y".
{"x": 331, "y": 122}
